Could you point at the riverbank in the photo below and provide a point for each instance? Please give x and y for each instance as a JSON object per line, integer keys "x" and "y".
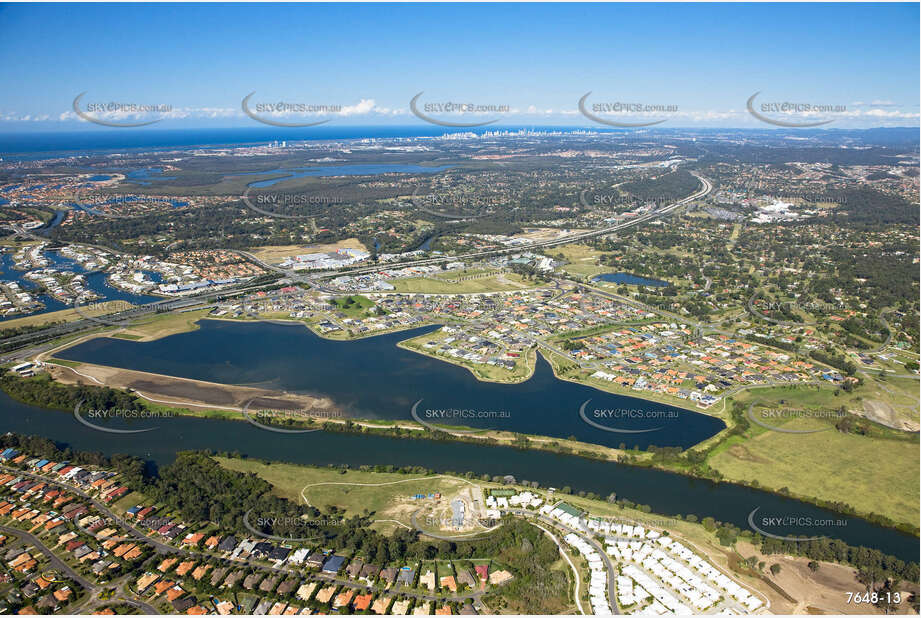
{"x": 554, "y": 414}
{"x": 227, "y": 403}
{"x": 172, "y": 324}
{"x": 383, "y": 492}
{"x": 664, "y": 492}
{"x": 524, "y": 368}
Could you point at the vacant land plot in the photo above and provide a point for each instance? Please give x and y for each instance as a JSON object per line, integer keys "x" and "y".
{"x": 867, "y": 473}
{"x": 892, "y": 402}
{"x": 166, "y": 324}
{"x": 387, "y": 495}
{"x": 277, "y": 253}
{"x": 581, "y": 259}
{"x": 497, "y": 283}
{"x": 353, "y": 306}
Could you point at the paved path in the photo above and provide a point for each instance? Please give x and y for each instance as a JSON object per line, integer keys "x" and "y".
{"x": 575, "y": 572}
{"x": 609, "y": 566}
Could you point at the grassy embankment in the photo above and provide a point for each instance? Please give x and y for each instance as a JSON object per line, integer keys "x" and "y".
{"x": 504, "y": 282}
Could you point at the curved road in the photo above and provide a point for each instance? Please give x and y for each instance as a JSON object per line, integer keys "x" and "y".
{"x": 314, "y": 280}
{"x": 609, "y": 566}
{"x": 56, "y": 562}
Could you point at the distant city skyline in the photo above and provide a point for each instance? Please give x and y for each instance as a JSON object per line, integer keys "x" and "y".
{"x": 678, "y": 65}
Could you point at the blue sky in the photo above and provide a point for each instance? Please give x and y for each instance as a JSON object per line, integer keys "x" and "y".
{"x": 366, "y": 61}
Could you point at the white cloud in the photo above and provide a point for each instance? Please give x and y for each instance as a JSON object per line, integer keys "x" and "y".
{"x": 362, "y": 108}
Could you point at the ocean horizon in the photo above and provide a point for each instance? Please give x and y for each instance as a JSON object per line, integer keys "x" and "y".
{"x": 41, "y": 144}
{"x": 46, "y": 141}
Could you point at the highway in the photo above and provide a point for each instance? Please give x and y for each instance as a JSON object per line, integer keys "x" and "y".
{"x": 316, "y": 280}
{"x": 706, "y": 187}
{"x": 114, "y": 319}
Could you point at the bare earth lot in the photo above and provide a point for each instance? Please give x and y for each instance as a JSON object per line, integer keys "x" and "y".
{"x": 273, "y": 254}
{"x": 186, "y": 392}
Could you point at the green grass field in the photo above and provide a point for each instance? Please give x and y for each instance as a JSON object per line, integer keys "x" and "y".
{"x": 66, "y": 363}
{"x": 384, "y": 494}
{"x": 872, "y": 474}
{"x": 457, "y": 274}
{"x": 165, "y": 324}
{"x": 354, "y": 306}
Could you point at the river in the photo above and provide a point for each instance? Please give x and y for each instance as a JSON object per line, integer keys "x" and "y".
{"x": 665, "y": 492}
